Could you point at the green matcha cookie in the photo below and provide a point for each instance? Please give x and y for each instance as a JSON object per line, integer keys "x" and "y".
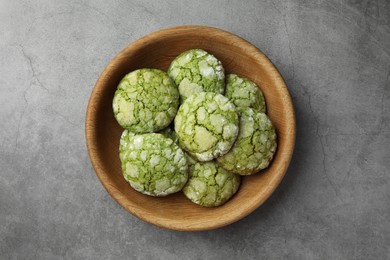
{"x": 152, "y": 163}
{"x": 206, "y": 125}
{"x": 244, "y": 93}
{"x": 197, "y": 71}
{"x": 210, "y": 185}
{"x": 255, "y": 145}
{"x": 146, "y": 101}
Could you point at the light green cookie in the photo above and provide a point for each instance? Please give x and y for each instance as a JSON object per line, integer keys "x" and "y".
{"x": 146, "y": 101}
{"x": 152, "y": 163}
{"x": 244, "y": 93}
{"x": 210, "y": 185}
{"x": 206, "y": 125}
{"x": 197, "y": 71}
{"x": 255, "y": 145}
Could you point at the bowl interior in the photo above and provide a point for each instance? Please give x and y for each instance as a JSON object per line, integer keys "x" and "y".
{"x": 157, "y": 50}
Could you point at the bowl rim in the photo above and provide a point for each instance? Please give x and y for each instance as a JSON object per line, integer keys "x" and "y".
{"x": 90, "y": 134}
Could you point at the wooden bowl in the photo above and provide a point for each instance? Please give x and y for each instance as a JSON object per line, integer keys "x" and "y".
{"x": 157, "y": 50}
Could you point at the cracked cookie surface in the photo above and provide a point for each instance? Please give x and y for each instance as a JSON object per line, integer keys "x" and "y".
{"x": 152, "y": 163}
{"x": 255, "y": 145}
{"x": 209, "y": 184}
{"x": 244, "y": 93}
{"x": 206, "y": 125}
{"x": 196, "y": 71}
{"x": 170, "y": 133}
{"x": 146, "y": 100}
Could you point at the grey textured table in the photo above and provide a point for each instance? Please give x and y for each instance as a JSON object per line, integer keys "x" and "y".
{"x": 334, "y": 202}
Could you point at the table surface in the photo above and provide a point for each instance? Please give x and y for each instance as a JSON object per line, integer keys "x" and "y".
{"x": 334, "y": 202}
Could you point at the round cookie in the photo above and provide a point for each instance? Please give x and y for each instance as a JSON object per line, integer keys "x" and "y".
{"x": 206, "y": 125}
{"x": 255, "y": 145}
{"x": 152, "y": 163}
{"x": 146, "y": 100}
{"x": 210, "y": 185}
{"x": 244, "y": 93}
{"x": 197, "y": 71}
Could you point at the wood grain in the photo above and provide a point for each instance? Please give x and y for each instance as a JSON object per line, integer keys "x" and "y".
{"x": 157, "y": 50}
